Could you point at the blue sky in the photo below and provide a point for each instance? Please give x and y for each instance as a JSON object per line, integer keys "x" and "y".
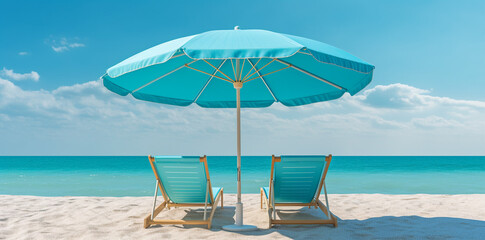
{"x": 426, "y": 97}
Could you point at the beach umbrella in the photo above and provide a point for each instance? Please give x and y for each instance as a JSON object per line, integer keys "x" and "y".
{"x": 239, "y": 69}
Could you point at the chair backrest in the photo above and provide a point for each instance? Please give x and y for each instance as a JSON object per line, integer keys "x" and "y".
{"x": 298, "y": 179}
{"x": 183, "y": 179}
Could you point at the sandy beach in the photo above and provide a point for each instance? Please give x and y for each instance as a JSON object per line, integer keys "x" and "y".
{"x": 361, "y": 216}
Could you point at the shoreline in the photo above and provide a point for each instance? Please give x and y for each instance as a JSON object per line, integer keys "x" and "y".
{"x": 361, "y": 216}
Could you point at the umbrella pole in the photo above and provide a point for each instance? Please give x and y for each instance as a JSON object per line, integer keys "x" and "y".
{"x": 239, "y": 205}
{"x": 238, "y": 226}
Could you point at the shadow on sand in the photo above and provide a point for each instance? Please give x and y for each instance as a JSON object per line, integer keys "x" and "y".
{"x": 387, "y": 227}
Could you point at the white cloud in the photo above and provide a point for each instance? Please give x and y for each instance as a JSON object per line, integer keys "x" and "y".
{"x": 435, "y": 122}
{"x": 400, "y": 96}
{"x": 63, "y": 44}
{"x": 23, "y": 53}
{"x": 87, "y": 119}
{"x": 60, "y": 48}
{"x": 10, "y": 74}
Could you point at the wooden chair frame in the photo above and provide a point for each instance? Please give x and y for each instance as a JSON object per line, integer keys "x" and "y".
{"x": 271, "y": 205}
{"x": 167, "y": 203}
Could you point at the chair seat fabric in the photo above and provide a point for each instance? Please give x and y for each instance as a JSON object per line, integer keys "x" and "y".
{"x": 184, "y": 178}
{"x": 297, "y": 178}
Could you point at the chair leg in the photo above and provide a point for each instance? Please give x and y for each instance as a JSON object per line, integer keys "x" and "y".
{"x": 328, "y": 213}
{"x": 335, "y": 223}
{"x": 222, "y": 198}
{"x": 148, "y": 220}
{"x": 264, "y": 200}
{"x": 270, "y": 212}
{"x": 213, "y": 210}
{"x": 269, "y": 218}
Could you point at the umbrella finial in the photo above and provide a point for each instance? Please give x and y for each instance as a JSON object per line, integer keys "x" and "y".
{"x": 236, "y": 28}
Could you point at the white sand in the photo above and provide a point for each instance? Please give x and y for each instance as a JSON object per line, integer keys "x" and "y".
{"x": 361, "y": 216}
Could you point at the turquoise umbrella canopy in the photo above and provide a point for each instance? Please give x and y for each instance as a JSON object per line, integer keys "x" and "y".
{"x": 239, "y": 69}
{"x": 273, "y": 67}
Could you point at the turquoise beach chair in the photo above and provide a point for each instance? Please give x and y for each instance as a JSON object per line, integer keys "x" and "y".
{"x": 297, "y": 181}
{"x": 183, "y": 182}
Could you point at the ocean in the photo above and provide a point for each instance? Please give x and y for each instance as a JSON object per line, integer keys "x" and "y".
{"x": 132, "y": 176}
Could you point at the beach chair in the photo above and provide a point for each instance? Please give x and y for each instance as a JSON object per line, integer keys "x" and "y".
{"x": 183, "y": 182}
{"x": 297, "y": 181}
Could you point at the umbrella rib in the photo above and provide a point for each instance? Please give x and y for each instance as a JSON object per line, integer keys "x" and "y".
{"x": 267, "y": 73}
{"x": 186, "y": 65}
{"x": 217, "y": 69}
{"x": 176, "y": 56}
{"x": 241, "y": 70}
{"x": 261, "y": 68}
{"x": 309, "y": 54}
{"x": 269, "y": 89}
{"x": 237, "y": 69}
{"x": 164, "y": 75}
{"x": 311, "y": 74}
{"x": 208, "y": 81}
{"x": 253, "y": 67}
{"x": 234, "y": 71}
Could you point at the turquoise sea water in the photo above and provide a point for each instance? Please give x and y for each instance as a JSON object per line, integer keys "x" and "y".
{"x": 132, "y": 176}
